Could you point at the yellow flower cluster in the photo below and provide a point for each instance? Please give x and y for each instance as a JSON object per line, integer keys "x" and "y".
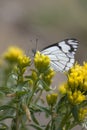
{"x": 16, "y": 55}
{"x": 78, "y": 77}
{"x": 13, "y": 53}
{"x": 23, "y": 61}
{"x": 42, "y": 62}
{"x": 82, "y": 114}
{"x": 76, "y": 97}
{"x": 52, "y": 98}
{"x": 76, "y": 86}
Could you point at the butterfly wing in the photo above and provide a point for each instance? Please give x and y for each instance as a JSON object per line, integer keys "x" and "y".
{"x": 62, "y": 54}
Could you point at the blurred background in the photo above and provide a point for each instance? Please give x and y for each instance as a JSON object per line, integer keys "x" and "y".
{"x": 24, "y": 21}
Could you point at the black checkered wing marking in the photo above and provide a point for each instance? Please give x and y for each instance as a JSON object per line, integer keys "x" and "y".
{"x": 62, "y": 54}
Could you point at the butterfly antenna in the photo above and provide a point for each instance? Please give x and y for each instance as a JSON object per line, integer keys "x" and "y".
{"x": 35, "y": 50}
{"x": 36, "y": 44}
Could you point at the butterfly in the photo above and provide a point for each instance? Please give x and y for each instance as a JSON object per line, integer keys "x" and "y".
{"x": 61, "y": 54}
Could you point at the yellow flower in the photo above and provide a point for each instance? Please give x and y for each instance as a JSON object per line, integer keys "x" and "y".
{"x": 42, "y": 62}
{"x": 63, "y": 89}
{"x": 82, "y": 113}
{"x": 77, "y": 77}
{"x": 52, "y": 98}
{"x": 76, "y": 85}
{"x": 13, "y": 53}
{"x": 23, "y": 61}
{"x": 76, "y": 97}
{"x": 85, "y": 65}
{"x": 34, "y": 75}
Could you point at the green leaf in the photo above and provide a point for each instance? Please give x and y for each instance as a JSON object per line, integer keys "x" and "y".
{"x": 5, "y": 117}
{"x": 6, "y": 112}
{"x": 1, "y": 94}
{"x": 37, "y": 127}
{"x": 44, "y": 85}
{"x": 75, "y": 113}
{"x": 34, "y": 118}
{"x": 40, "y": 108}
{"x": 6, "y": 107}
{"x": 57, "y": 122}
{"x": 61, "y": 104}
{"x": 59, "y": 129}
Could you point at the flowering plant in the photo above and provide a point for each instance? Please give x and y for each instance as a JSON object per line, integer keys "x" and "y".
{"x": 22, "y": 88}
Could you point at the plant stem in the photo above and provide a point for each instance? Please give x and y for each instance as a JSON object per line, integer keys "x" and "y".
{"x": 33, "y": 91}
{"x": 17, "y": 118}
{"x": 64, "y": 121}
{"x": 52, "y": 118}
{"x": 40, "y": 93}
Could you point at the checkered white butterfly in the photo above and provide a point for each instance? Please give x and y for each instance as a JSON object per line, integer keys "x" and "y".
{"x": 61, "y": 54}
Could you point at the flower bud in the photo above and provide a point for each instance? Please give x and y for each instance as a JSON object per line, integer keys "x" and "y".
{"x": 52, "y": 98}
